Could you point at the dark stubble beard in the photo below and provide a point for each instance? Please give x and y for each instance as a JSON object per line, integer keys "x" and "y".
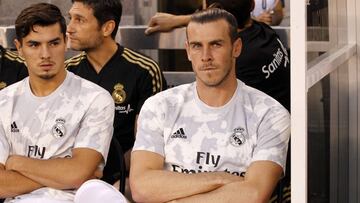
{"x": 47, "y": 76}
{"x": 90, "y": 46}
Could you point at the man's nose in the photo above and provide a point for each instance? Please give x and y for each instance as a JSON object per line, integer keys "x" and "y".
{"x": 70, "y": 27}
{"x": 206, "y": 54}
{"x": 45, "y": 52}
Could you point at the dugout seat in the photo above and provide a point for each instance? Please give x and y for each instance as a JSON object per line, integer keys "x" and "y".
{"x": 115, "y": 168}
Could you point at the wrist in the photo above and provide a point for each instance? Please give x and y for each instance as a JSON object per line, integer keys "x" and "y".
{"x": 13, "y": 163}
{"x": 220, "y": 179}
{"x": 183, "y": 20}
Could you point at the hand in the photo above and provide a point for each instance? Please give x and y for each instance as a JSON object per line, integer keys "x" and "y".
{"x": 162, "y": 22}
{"x": 265, "y": 17}
{"x": 229, "y": 178}
{"x": 97, "y": 174}
{"x": 12, "y": 162}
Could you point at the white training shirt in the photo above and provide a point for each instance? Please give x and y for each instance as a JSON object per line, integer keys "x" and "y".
{"x": 194, "y": 137}
{"x": 78, "y": 114}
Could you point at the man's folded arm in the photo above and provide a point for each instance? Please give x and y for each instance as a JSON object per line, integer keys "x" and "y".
{"x": 149, "y": 181}
{"x": 260, "y": 181}
{"x": 58, "y": 173}
{"x": 13, "y": 183}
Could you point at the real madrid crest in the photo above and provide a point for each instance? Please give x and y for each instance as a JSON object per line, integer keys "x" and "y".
{"x": 2, "y": 85}
{"x": 59, "y": 130}
{"x": 119, "y": 94}
{"x": 238, "y": 137}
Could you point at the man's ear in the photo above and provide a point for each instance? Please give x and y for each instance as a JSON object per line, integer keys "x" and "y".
{"x": 237, "y": 46}
{"x": 18, "y": 46}
{"x": 108, "y": 27}
{"x": 187, "y": 47}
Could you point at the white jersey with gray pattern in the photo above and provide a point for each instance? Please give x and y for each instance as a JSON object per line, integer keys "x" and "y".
{"x": 78, "y": 114}
{"x": 194, "y": 137}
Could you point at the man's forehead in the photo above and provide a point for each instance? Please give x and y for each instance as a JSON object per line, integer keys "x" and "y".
{"x": 81, "y": 9}
{"x": 218, "y": 22}
{"x": 197, "y": 30}
{"x": 47, "y": 33}
{"x": 221, "y": 23}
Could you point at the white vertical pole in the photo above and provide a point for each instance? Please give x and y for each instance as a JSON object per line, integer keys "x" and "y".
{"x": 353, "y": 27}
{"x": 353, "y": 104}
{"x": 298, "y": 101}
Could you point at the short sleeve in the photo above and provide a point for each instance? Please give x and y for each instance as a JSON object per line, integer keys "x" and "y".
{"x": 4, "y": 145}
{"x": 96, "y": 128}
{"x": 273, "y": 136}
{"x": 145, "y": 90}
{"x": 150, "y": 83}
{"x": 150, "y": 131}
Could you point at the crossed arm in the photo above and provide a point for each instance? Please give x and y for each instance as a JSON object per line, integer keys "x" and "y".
{"x": 150, "y": 183}
{"x": 22, "y": 175}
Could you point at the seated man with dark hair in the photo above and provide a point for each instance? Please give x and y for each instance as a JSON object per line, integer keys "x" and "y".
{"x": 55, "y": 128}
{"x": 214, "y": 140}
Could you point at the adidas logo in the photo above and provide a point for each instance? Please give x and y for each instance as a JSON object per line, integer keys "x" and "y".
{"x": 179, "y": 134}
{"x": 14, "y": 128}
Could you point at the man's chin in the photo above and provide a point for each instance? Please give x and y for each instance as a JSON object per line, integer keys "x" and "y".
{"x": 47, "y": 76}
{"x": 75, "y": 48}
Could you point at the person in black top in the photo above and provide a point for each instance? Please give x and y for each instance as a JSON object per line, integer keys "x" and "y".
{"x": 264, "y": 62}
{"x": 12, "y": 68}
{"x": 130, "y": 77}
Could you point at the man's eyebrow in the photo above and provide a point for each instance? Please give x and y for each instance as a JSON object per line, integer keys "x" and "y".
{"x": 211, "y": 42}
{"x": 216, "y": 41}
{"x": 75, "y": 15}
{"x": 194, "y": 42}
{"x": 54, "y": 40}
{"x": 37, "y": 42}
{"x": 32, "y": 42}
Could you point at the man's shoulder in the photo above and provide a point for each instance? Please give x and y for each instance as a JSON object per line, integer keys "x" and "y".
{"x": 77, "y": 81}
{"x": 257, "y": 100}
{"x": 132, "y": 54}
{"x": 139, "y": 60}
{"x": 258, "y": 32}
{"x": 13, "y": 58}
{"x": 75, "y": 61}
{"x": 13, "y": 88}
{"x": 86, "y": 90}
{"x": 11, "y": 91}
{"x": 144, "y": 67}
{"x": 175, "y": 95}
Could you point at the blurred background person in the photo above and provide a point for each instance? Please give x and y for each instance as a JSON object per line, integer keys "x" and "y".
{"x": 268, "y": 11}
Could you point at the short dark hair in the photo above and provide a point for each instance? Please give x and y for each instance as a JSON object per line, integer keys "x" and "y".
{"x": 215, "y": 14}
{"x": 241, "y": 9}
{"x": 42, "y": 14}
{"x": 105, "y": 10}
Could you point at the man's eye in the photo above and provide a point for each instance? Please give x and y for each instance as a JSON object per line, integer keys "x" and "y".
{"x": 216, "y": 45}
{"x": 196, "y": 46}
{"x": 33, "y": 45}
{"x": 79, "y": 20}
{"x": 54, "y": 43}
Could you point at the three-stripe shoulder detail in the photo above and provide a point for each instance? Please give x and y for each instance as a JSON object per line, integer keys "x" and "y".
{"x": 12, "y": 56}
{"x": 75, "y": 60}
{"x": 148, "y": 64}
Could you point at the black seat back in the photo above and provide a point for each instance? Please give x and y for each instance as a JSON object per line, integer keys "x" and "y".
{"x": 115, "y": 168}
